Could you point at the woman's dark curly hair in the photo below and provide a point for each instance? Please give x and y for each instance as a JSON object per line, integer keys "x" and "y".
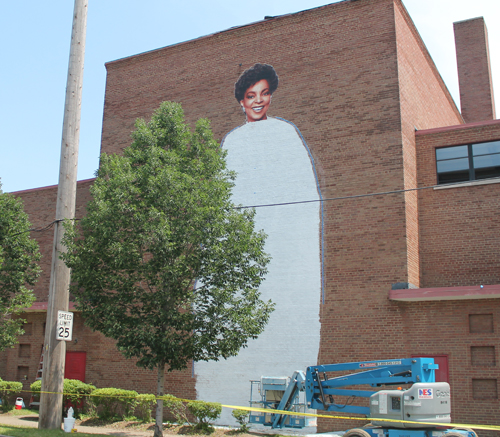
{"x": 253, "y": 75}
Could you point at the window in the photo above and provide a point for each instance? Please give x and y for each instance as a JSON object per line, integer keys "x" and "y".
{"x": 468, "y": 162}
{"x": 483, "y": 356}
{"x": 24, "y": 350}
{"x": 481, "y": 323}
{"x": 28, "y": 328}
{"x": 485, "y": 389}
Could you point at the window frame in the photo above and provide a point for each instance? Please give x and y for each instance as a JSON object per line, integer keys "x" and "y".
{"x": 471, "y": 171}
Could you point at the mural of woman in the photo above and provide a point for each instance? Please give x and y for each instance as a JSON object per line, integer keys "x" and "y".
{"x": 274, "y": 169}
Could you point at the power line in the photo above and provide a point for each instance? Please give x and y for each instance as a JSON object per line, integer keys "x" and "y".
{"x": 42, "y": 228}
{"x": 298, "y": 202}
{"x": 355, "y": 196}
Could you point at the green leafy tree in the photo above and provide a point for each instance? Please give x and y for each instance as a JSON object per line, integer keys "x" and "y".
{"x": 19, "y": 268}
{"x": 163, "y": 262}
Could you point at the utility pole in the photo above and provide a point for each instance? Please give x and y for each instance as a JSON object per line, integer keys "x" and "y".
{"x": 55, "y": 350}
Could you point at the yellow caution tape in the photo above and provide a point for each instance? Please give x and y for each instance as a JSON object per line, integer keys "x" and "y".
{"x": 294, "y": 413}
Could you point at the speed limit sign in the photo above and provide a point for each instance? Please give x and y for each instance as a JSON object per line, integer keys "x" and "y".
{"x": 64, "y": 326}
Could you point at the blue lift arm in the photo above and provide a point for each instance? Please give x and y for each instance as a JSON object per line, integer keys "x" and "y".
{"x": 386, "y": 406}
{"x": 297, "y": 384}
{"x": 320, "y": 388}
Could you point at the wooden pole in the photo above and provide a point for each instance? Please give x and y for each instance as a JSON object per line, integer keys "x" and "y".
{"x": 55, "y": 350}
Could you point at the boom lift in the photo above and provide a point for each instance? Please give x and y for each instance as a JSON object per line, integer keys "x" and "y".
{"x": 417, "y": 411}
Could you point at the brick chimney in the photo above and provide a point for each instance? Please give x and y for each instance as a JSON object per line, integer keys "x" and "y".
{"x": 474, "y": 71}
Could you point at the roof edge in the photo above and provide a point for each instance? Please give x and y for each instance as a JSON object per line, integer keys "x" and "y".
{"x": 48, "y": 187}
{"x": 420, "y": 41}
{"x": 230, "y": 29}
{"x": 457, "y": 127}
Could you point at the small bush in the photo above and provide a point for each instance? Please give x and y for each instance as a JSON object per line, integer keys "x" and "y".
{"x": 144, "y": 408}
{"x": 176, "y": 408}
{"x": 114, "y": 402}
{"x": 241, "y": 417}
{"x": 204, "y": 412}
{"x": 36, "y": 387}
{"x": 8, "y": 392}
{"x": 74, "y": 393}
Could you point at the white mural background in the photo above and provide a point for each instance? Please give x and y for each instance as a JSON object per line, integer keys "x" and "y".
{"x": 274, "y": 167}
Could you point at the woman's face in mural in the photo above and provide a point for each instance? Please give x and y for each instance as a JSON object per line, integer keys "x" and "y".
{"x": 256, "y": 101}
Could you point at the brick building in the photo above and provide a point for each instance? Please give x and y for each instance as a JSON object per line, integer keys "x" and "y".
{"x": 409, "y": 228}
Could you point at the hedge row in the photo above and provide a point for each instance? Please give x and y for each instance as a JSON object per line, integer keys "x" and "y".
{"x": 114, "y": 403}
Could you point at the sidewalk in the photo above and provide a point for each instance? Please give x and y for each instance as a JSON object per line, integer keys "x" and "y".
{"x": 32, "y": 422}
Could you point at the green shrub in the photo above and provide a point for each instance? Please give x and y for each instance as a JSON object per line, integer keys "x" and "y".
{"x": 241, "y": 417}
{"x": 36, "y": 388}
{"x": 145, "y": 404}
{"x": 114, "y": 402}
{"x": 74, "y": 392}
{"x": 8, "y": 392}
{"x": 204, "y": 412}
{"x": 176, "y": 408}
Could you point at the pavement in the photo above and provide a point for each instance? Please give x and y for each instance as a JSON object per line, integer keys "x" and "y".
{"x": 32, "y": 422}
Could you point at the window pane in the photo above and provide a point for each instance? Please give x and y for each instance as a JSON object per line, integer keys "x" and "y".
{"x": 453, "y": 165}
{"x": 485, "y": 148}
{"x": 486, "y": 161}
{"x": 486, "y": 173}
{"x": 453, "y": 177}
{"x": 451, "y": 152}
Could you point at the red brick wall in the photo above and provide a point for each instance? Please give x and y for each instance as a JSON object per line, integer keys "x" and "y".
{"x": 459, "y": 242}
{"x": 40, "y": 205}
{"x": 425, "y": 103}
{"x": 105, "y": 366}
{"x": 11, "y": 358}
{"x": 459, "y": 226}
{"x": 444, "y": 328}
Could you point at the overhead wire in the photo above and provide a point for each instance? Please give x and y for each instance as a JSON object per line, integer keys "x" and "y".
{"x": 354, "y": 196}
{"x": 298, "y": 202}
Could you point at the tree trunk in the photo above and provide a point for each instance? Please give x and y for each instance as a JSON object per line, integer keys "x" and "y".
{"x": 160, "y": 391}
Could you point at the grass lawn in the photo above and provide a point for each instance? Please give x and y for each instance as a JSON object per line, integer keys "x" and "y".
{"x": 169, "y": 430}
{"x": 23, "y": 412}
{"x": 14, "y": 431}
{"x": 34, "y": 432}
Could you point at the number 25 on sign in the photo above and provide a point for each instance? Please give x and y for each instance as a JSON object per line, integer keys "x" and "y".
{"x": 64, "y": 326}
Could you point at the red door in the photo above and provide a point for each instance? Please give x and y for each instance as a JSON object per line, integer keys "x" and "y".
{"x": 75, "y": 365}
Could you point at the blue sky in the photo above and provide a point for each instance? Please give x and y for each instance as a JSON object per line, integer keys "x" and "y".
{"x": 35, "y": 39}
